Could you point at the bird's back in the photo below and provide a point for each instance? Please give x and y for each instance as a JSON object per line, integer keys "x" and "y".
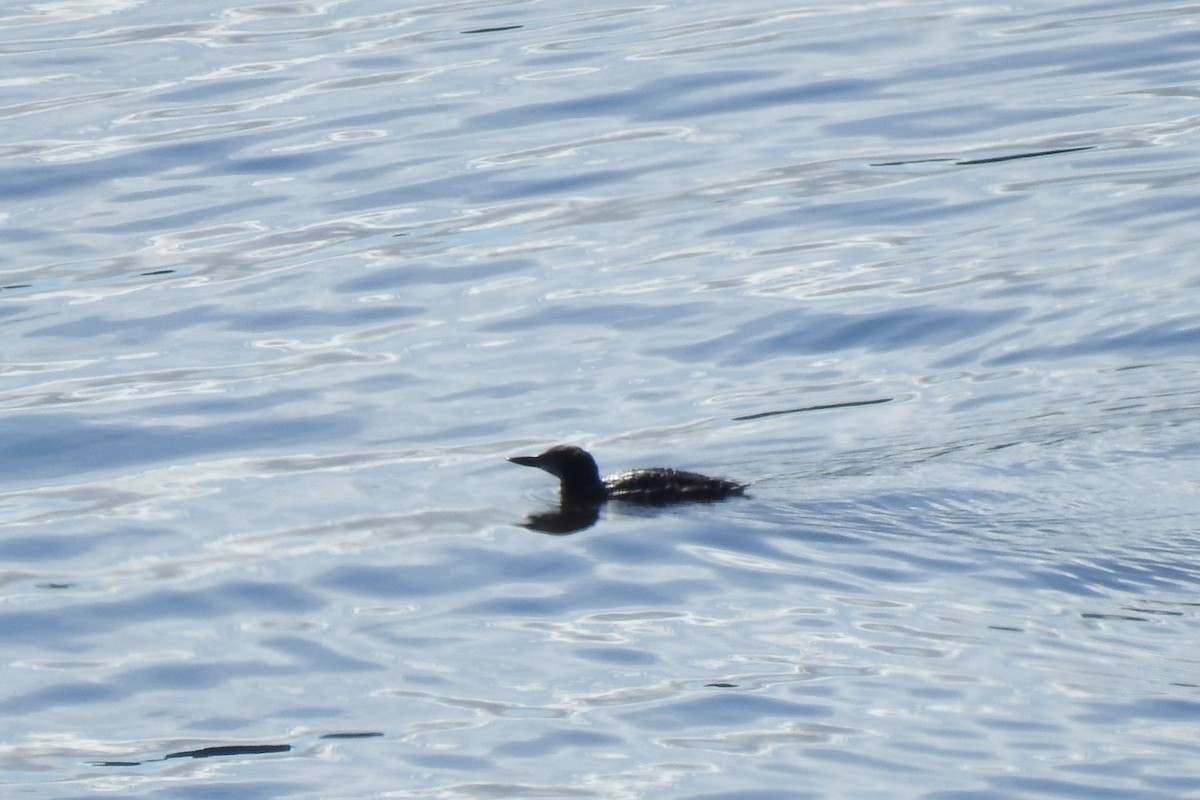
{"x": 661, "y": 486}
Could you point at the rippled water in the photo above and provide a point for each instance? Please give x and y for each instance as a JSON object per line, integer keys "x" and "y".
{"x": 285, "y": 284}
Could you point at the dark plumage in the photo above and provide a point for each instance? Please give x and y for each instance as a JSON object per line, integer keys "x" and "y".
{"x": 580, "y": 482}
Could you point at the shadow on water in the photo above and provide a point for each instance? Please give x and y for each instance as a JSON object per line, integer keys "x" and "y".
{"x": 563, "y": 519}
{"x": 967, "y": 162}
{"x": 235, "y": 750}
{"x": 566, "y": 519}
{"x": 824, "y": 407}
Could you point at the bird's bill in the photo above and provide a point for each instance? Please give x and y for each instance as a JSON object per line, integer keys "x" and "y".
{"x": 526, "y": 461}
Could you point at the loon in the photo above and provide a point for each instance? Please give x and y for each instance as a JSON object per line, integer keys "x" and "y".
{"x": 580, "y": 484}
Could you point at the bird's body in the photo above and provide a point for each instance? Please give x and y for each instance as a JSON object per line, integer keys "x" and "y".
{"x": 660, "y": 485}
{"x": 581, "y": 484}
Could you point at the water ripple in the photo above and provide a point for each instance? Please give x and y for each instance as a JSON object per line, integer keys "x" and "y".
{"x": 278, "y": 307}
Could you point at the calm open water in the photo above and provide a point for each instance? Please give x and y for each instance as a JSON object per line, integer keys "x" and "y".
{"x": 285, "y": 284}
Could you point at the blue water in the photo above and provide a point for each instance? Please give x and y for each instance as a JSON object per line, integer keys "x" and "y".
{"x": 285, "y": 284}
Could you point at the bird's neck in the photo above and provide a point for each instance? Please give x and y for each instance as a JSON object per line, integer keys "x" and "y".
{"x": 587, "y": 490}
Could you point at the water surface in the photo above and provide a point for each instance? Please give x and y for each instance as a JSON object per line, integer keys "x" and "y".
{"x": 287, "y": 283}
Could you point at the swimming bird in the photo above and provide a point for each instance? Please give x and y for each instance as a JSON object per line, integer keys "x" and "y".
{"x": 580, "y": 484}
